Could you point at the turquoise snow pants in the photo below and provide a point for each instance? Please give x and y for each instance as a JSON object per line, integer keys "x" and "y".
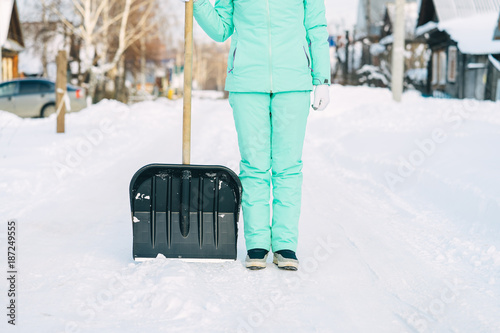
{"x": 271, "y": 129}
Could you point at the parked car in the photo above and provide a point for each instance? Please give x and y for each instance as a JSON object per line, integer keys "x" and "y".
{"x": 36, "y": 97}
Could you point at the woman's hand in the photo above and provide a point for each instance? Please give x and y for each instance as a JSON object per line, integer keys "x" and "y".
{"x": 321, "y": 97}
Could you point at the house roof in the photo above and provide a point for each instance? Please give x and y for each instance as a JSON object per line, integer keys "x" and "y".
{"x": 5, "y": 13}
{"x": 11, "y": 36}
{"x": 471, "y": 23}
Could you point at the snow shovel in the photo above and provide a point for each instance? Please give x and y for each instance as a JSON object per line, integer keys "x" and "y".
{"x": 185, "y": 211}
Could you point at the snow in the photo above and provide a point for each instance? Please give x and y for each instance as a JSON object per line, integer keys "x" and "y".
{"x": 387, "y": 40}
{"x": 372, "y": 73}
{"x": 417, "y": 74}
{"x": 425, "y": 28}
{"x": 399, "y": 228}
{"x": 476, "y": 65}
{"x": 376, "y": 49}
{"x": 5, "y": 13}
{"x": 474, "y": 34}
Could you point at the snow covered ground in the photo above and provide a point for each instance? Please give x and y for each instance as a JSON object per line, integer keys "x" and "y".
{"x": 400, "y": 227}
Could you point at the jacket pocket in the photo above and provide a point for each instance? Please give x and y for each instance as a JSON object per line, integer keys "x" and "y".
{"x": 308, "y": 60}
{"x": 232, "y": 63}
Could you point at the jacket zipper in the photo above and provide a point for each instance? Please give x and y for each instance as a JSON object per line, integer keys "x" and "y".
{"x": 270, "y": 51}
{"x": 234, "y": 56}
{"x": 308, "y": 61}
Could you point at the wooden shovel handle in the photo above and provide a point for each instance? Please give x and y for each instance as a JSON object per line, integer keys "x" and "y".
{"x": 188, "y": 66}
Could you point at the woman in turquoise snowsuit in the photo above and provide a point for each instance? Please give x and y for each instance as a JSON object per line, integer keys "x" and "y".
{"x": 279, "y": 51}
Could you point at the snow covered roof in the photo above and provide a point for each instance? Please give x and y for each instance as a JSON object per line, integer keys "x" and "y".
{"x": 5, "y": 13}
{"x": 471, "y": 23}
{"x": 449, "y": 10}
{"x": 429, "y": 26}
{"x": 474, "y": 35}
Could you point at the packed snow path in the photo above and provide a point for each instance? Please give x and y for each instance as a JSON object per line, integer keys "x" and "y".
{"x": 400, "y": 226}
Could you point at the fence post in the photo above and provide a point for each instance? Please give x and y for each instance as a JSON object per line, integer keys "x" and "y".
{"x": 61, "y": 81}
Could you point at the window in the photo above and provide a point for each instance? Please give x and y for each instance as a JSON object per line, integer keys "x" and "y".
{"x": 7, "y": 72}
{"x": 29, "y": 87}
{"x": 7, "y": 89}
{"x": 442, "y": 67}
{"x": 46, "y": 87}
{"x": 434, "y": 68}
{"x": 439, "y": 67}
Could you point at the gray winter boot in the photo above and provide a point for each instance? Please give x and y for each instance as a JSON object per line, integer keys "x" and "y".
{"x": 256, "y": 259}
{"x": 286, "y": 259}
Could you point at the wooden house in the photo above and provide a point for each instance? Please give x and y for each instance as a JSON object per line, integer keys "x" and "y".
{"x": 11, "y": 40}
{"x": 464, "y": 54}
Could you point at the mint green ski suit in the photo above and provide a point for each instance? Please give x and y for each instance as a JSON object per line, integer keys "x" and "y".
{"x": 279, "y": 51}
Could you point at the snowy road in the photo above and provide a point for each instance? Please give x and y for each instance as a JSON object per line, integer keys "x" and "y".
{"x": 400, "y": 226}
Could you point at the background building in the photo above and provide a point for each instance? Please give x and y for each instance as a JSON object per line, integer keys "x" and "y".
{"x": 464, "y": 58}
{"x": 11, "y": 40}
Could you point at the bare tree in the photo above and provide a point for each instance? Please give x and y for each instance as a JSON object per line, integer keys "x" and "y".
{"x": 102, "y": 23}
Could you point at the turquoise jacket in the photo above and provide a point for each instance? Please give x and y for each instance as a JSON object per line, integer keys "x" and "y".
{"x": 276, "y": 45}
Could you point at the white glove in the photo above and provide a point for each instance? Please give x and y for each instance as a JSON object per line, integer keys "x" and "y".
{"x": 321, "y": 97}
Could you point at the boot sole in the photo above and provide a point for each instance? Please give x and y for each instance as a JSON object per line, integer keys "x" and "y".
{"x": 256, "y": 268}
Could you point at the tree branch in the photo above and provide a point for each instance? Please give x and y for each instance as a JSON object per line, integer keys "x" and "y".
{"x": 64, "y": 20}
{"x": 78, "y": 6}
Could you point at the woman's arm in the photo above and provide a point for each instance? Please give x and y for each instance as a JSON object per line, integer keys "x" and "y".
{"x": 216, "y": 21}
{"x": 317, "y": 36}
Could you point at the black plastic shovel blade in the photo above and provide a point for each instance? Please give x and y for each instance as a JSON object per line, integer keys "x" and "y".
{"x": 185, "y": 211}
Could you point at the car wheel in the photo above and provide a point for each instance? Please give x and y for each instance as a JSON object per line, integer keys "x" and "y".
{"x": 47, "y": 110}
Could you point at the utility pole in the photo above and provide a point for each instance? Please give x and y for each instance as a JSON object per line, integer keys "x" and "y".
{"x": 398, "y": 49}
